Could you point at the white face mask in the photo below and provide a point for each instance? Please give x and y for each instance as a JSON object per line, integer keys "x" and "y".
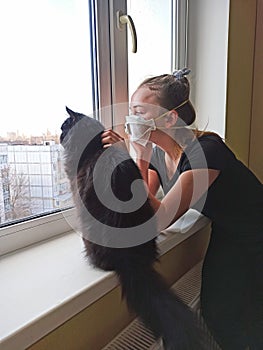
{"x": 140, "y": 129}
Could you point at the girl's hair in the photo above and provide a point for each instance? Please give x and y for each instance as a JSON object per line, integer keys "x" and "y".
{"x": 172, "y": 92}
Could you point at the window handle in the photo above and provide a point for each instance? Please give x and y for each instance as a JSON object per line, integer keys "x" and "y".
{"x": 126, "y": 19}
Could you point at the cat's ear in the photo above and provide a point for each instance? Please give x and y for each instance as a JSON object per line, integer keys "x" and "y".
{"x": 71, "y": 113}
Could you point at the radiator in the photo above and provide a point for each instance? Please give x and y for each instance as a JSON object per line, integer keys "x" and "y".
{"x": 136, "y": 337}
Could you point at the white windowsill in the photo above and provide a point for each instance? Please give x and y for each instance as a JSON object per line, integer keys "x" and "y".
{"x": 37, "y": 229}
{"x": 45, "y": 284}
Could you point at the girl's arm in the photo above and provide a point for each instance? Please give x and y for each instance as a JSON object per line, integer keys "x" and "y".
{"x": 143, "y": 157}
{"x": 153, "y": 181}
{"x": 110, "y": 137}
{"x": 188, "y": 189}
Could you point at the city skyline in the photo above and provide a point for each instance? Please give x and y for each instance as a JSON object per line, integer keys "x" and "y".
{"x": 29, "y": 126}
{"x": 17, "y": 137}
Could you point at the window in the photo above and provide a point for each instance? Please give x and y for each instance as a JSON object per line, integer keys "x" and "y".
{"x": 48, "y": 50}
{"x": 58, "y": 53}
{"x": 155, "y": 39}
{"x": 162, "y": 29}
{"x": 45, "y": 65}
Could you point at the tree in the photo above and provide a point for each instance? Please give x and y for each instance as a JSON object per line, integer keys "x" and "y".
{"x": 19, "y": 197}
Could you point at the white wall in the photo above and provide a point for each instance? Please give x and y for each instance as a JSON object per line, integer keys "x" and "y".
{"x": 207, "y": 58}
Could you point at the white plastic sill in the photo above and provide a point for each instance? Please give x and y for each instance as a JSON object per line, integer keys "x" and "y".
{"x": 44, "y": 285}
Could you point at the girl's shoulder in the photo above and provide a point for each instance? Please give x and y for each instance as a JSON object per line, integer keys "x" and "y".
{"x": 207, "y": 136}
{"x": 211, "y": 141}
{"x": 206, "y": 150}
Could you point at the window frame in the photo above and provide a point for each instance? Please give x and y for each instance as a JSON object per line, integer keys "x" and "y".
{"x": 106, "y": 44}
{"x": 109, "y": 49}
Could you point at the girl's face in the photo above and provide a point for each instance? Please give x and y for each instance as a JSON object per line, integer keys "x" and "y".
{"x": 144, "y": 103}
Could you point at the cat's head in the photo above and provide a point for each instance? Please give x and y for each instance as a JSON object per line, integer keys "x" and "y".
{"x": 78, "y": 126}
{"x": 81, "y": 140}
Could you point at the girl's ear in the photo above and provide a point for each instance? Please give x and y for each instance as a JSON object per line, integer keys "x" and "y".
{"x": 171, "y": 119}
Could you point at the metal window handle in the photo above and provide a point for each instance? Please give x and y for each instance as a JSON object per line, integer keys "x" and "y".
{"x": 126, "y": 19}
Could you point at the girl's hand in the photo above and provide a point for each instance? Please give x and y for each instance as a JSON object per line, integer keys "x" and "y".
{"x": 143, "y": 157}
{"x": 110, "y": 137}
{"x": 143, "y": 152}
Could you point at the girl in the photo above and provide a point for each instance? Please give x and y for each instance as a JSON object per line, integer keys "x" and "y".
{"x": 197, "y": 170}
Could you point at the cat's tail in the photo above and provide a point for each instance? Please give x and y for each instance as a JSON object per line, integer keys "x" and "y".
{"x": 160, "y": 309}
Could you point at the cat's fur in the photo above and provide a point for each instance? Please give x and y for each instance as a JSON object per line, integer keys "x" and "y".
{"x": 145, "y": 291}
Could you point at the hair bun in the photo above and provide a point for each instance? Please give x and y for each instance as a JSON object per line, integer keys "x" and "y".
{"x": 179, "y": 74}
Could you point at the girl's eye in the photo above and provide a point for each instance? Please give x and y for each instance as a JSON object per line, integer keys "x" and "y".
{"x": 139, "y": 112}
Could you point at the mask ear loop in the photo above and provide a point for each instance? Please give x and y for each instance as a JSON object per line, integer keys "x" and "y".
{"x": 128, "y": 130}
{"x": 174, "y": 109}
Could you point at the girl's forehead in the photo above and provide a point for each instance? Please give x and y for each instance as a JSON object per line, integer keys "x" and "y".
{"x": 143, "y": 97}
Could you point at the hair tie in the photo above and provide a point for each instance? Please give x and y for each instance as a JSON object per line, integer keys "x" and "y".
{"x": 179, "y": 74}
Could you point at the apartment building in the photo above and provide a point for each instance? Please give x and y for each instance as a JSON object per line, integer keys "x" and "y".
{"x": 4, "y": 185}
{"x": 36, "y": 180}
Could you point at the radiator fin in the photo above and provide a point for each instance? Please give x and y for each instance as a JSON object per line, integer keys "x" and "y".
{"x": 136, "y": 336}
{"x": 133, "y": 337}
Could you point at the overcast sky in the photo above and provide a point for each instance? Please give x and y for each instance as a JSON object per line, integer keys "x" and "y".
{"x": 45, "y": 58}
{"x": 44, "y": 63}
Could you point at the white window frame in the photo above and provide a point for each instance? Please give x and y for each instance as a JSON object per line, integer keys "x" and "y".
{"x": 110, "y": 70}
{"x": 180, "y": 31}
{"x": 105, "y": 77}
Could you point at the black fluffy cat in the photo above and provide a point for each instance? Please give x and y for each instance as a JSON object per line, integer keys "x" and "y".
{"x": 119, "y": 234}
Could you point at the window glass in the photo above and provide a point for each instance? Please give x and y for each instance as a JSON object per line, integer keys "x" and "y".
{"x": 47, "y": 192}
{"x": 33, "y": 157}
{"x": 34, "y": 169}
{"x": 48, "y": 204}
{"x": 20, "y": 168}
{"x": 45, "y": 65}
{"x": 46, "y": 169}
{"x": 153, "y": 20}
{"x": 46, "y": 180}
{"x": 35, "y": 180}
{"x": 20, "y": 157}
{"x": 36, "y": 191}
